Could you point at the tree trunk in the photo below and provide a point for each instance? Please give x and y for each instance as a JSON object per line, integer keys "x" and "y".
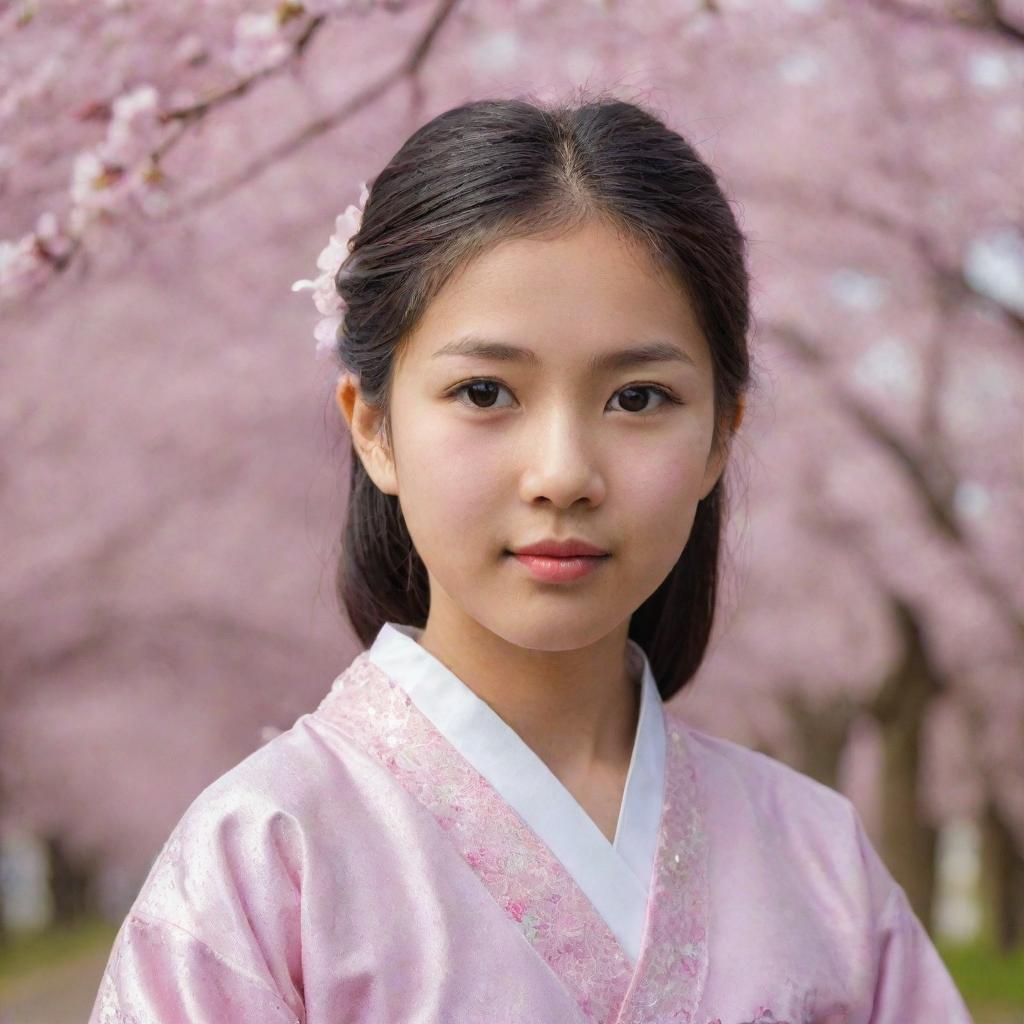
{"x": 1003, "y": 879}
{"x": 3, "y": 909}
{"x": 4, "y": 936}
{"x": 72, "y": 883}
{"x": 822, "y": 734}
{"x": 908, "y": 841}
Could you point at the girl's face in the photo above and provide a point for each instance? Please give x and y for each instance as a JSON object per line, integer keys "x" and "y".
{"x": 494, "y": 452}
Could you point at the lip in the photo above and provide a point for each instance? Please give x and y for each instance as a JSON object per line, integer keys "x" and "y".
{"x": 572, "y": 547}
{"x": 560, "y": 570}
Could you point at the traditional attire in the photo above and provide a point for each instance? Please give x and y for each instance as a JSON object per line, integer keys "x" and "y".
{"x": 401, "y": 854}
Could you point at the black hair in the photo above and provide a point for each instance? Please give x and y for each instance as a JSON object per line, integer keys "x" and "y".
{"x": 498, "y": 168}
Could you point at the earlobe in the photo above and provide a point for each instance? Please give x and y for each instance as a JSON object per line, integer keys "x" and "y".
{"x": 378, "y": 465}
{"x": 364, "y": 427}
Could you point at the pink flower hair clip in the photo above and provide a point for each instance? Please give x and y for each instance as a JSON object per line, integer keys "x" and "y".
{"x": 328, "y": 302}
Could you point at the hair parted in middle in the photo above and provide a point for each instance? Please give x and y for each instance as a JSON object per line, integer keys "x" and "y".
{"x": 496, "y": 169}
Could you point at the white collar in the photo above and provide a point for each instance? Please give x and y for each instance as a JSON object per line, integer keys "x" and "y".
{"x": 615, "y": 876}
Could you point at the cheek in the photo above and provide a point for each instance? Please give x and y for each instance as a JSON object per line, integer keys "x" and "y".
{"x": 449, "y": 474}
{"x": 660, "y": 486}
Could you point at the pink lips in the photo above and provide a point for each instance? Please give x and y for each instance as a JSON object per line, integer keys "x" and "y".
{"x": 560, "y": 570}
{"x": 560, "y": 561}
{"x": 571, "y": 547}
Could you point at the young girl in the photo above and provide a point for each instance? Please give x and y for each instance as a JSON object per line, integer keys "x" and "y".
{"x": 493, "y": 816}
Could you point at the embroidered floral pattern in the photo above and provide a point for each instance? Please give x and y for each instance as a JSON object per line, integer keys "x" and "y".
{"x": 526, "y": 879}
{"x": 516, "y": 867}
{"x": 833, "y": 1015}
{"x": 670, "y": 974}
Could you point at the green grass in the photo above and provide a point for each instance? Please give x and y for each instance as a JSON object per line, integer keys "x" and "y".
{"x": 983, "y": 976}
{"x": 29, "y": 953}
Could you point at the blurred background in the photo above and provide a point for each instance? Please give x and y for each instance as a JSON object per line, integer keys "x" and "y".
{"x": 173, "y": 466}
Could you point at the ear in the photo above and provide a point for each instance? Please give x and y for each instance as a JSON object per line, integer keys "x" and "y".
{"x": 365, "y": 424}
{"x": 715, "y": 466}
{"x": 717, "y": 460}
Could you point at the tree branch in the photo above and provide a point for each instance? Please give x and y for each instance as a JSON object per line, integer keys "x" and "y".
{"x": 987, "y": 18}
{"x": 931, "y": 479}
{"x": 407, "y": 68}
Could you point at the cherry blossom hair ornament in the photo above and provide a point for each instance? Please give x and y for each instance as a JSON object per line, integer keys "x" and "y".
{"x": 325, "y": 292}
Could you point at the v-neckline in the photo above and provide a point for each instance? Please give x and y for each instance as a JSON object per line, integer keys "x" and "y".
{"x": 525, "y": 877}
{"x": 615, "y": 875}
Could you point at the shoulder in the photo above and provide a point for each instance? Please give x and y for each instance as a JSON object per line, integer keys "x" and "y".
{"x": 765, "y": 780}
{"x": 792, "y": 815}
{"x": 217, "y": 923}
{"x": 276, "y": 781}
{"x": 256, "y": 825}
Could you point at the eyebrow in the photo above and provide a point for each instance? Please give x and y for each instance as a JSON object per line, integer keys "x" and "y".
{"x": 619, "y": 359}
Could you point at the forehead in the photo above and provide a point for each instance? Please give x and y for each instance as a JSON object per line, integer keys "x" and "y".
{"x": 562, "y": 297}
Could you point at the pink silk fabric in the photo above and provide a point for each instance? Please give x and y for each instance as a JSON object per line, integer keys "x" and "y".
{"x": 357, "y": 868}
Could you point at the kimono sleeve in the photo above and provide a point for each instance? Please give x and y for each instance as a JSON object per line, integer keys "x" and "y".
{"x": 912, "y": 982}
{"x": 158, "y": 973}
{"x": 214, "y": 936}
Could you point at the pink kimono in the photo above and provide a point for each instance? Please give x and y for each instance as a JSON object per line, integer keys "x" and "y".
{"x": 400, "y": 854}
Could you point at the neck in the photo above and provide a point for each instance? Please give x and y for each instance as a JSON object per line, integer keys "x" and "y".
{"x": 576, "y": 709}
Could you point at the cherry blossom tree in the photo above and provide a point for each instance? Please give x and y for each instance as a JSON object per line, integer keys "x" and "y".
{"x": 169, "y": 170}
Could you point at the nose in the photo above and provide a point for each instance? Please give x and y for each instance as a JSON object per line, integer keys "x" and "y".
{"x": 561, "y": 464}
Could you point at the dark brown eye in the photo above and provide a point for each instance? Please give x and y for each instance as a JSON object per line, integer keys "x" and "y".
{"x": 483, "y": 392}
{"x": 636, "y": 397}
